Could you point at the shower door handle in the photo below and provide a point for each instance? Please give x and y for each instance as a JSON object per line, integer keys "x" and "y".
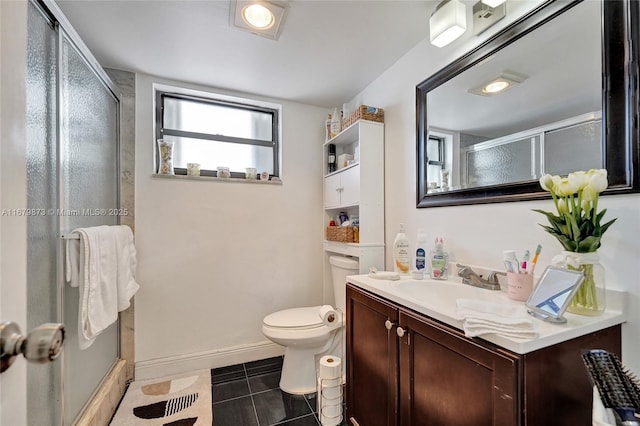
{"x": 42, "y": 344}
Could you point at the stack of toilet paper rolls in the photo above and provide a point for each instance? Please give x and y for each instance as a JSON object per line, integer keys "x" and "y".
{"x": 330, "y": 390}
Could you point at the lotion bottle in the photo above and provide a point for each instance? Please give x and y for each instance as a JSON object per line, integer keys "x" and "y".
{"x": 439, "y": 261}
{"x": 401, "y": 262}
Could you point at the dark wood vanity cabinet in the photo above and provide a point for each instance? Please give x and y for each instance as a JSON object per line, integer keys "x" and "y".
{"x": 406, "y": 369}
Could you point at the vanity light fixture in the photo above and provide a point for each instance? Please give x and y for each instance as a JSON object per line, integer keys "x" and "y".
{"x": 260, "y": 17}
{"x": 447, "y": 22}
{"x": 498, "y": 85}
{"x": 485, "y": 15}
{"x": 493, "y": 3}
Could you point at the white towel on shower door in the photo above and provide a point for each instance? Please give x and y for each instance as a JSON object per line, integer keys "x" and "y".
{"x": 102, "y": 264}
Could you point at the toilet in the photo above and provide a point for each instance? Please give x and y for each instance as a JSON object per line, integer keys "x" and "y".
{"x": 306, "y": 337}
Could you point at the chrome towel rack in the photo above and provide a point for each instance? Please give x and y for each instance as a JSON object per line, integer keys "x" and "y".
{"x": 73, "y": 236}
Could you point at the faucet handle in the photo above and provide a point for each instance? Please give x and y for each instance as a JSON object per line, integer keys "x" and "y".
{"x": 493, "y": 279}
{"x": 463, "y": 270}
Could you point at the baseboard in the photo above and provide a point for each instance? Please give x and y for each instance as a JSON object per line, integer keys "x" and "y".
{"x": 163, "y": 367}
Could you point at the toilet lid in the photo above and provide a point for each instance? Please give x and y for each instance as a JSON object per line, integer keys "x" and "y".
{"x": 295, "y": 318}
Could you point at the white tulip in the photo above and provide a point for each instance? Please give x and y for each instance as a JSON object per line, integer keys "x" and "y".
{"x": 589, "y": 193}
{"x": 562, "y": 206}
{"x": 546, "y": 182}
{"x": 579, "y": 179}
{"x": 566, "y": 187}
{"x": 598, "y": 179}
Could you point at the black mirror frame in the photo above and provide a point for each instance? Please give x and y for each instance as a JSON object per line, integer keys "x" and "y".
{"x": 620, "y": 104}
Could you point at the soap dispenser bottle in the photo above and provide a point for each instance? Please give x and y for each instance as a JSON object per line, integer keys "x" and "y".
{"x": 421, "y": 251}
{"x": 439, "y": 261}
{"x": 401, "y": 260}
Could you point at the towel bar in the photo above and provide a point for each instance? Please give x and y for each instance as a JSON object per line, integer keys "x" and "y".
{"x": 70, "y": 236}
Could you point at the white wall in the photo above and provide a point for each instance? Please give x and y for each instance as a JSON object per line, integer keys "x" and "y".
{"x": 216, "y": 257}
{"x": 477, "y": 234}
{"x": 13, "y": 195}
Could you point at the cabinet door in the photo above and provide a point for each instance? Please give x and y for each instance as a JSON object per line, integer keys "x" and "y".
{"x": 332, "y": 190}
{"x": 372, "y": 360}
{"x": 449, "y": 380}
{"x": 350, "y": 184}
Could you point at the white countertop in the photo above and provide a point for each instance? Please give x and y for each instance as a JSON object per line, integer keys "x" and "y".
{"x": 437, "y": 299}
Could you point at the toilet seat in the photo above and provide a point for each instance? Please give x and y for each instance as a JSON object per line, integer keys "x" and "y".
{"x": 295, "y": 318}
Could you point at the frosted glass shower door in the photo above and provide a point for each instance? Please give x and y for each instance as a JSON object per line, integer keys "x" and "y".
{"x": 89, "y": 192}
{"x": 43, "y": 381}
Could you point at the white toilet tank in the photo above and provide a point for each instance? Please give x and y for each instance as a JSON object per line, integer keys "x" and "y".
{"x": 340, "y": 268}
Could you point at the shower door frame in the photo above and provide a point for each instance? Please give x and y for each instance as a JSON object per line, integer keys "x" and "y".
{"x": 116, "y": 375}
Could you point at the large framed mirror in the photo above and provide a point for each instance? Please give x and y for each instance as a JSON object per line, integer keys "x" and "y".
{"x": 572, "y": 103}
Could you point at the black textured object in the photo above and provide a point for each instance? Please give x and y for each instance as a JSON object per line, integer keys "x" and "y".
{"x": 618, "y": 388}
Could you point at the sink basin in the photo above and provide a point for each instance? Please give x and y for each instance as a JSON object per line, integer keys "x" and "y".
{"x": 443, "y": 294}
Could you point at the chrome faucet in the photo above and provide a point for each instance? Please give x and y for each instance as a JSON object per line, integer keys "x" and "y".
{"x": 470, "y": 277}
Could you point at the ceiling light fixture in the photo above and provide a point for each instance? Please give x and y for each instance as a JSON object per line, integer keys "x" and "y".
{"x": 498, "y": 85}
{"x": 484, "y": 16}
{"x": 260, "y": 17}
{"x": 493, "y": 3}
{"x": 447, "y": 22}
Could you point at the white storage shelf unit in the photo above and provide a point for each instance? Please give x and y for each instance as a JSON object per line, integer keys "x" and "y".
{"x": 358, "y": 190}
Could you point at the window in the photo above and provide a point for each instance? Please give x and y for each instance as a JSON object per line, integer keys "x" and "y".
{"x": 220, "y": 131}
{"x": 435, "y": 159}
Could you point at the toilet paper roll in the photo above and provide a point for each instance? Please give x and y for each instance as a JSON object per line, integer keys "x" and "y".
{"x": 330, "y": 394}
{"x": 329, "y": 315}
{"x": 331, "y": 415}
{"x": 330, "y": 408}
{"x": 330, "y": 367}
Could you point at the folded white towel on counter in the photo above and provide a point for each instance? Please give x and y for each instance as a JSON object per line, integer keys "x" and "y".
{"x": 102, "y": 265}
{"x": 480, "y": 318}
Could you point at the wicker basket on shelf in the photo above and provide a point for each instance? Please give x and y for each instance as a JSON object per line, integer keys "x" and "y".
{"x": 364, "y": 112}
{"x": 343, "y": 234}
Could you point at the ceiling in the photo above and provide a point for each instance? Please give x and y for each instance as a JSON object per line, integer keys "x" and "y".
{"x": 327, "y": 53}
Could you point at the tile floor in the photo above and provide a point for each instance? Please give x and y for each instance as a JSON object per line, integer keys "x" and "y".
{"x": 248, "y": 395}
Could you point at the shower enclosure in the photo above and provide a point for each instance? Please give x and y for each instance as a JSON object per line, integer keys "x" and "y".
{"x": 72, "y": 181}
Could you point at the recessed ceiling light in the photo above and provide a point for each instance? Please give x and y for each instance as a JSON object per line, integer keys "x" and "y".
{"x": 261, "y": 17}
{"x": 258, "y": 16}
{"x": 495, "y": 86}
{"x": 498, "y": 85}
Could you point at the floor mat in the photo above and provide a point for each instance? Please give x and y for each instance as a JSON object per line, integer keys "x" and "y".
{"x": 183, "y": 400}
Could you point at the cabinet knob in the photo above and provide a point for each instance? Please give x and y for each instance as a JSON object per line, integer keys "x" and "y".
{"x": 400, "y": 331}
{"x": 388, "y": 324}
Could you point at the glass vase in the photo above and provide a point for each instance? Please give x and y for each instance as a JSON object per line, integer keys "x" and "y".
{"x": 165, "y": 151}
{"x": 590, "y": 297}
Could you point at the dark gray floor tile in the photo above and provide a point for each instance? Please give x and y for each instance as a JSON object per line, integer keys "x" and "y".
{"x": 226, "y": 374}
{"x": 235, "y": 412}
{"x": 264, "y": 382}
{"x": 276, "y": 406}
{"x": 312, "y": 401}
{"x": 228, "y": 390}
{"x": 263, "y": 366}
{"x": 309, "y": 420}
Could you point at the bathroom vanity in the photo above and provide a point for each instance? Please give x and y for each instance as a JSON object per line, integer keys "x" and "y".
{"x": 409, "y": 362}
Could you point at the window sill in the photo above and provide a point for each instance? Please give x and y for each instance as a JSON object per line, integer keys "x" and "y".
{"x": 217, "y": 179}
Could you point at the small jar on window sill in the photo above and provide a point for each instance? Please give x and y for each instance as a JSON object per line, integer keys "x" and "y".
{"x": 165, "y": 150}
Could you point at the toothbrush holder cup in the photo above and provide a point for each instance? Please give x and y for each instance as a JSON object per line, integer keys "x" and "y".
{"x": 519, "y": 286}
